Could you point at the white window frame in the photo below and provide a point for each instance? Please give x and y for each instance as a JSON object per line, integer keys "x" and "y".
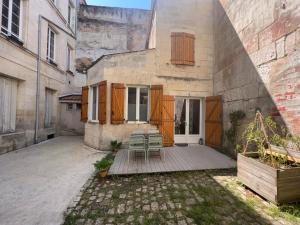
{"x": 91, "y": 105}
{"x": 9, "y": 25}
{"x": 138, "y": 89}
{"x": 71, "y": 15}
{"x": 50, "y": 29}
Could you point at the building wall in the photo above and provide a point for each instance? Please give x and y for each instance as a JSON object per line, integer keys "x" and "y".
{"x": 136, "y": 68}
{"x": 190, "y": 16}
{"x": 257, "y": 59}
{"x": 153, "y": 66}
{"x": 107, "y": 30}
{"x": 19, "y": 63}
{"x": 70, "y": 119}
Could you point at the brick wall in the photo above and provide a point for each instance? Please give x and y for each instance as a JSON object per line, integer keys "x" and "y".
{"x": 257, "y": 63}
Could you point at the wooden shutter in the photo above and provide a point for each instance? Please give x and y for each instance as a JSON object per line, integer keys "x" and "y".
{"x": 213, "y": 121}
{"x": 84, "y": 104}
{"x": 182, "y": 49}
{"x": 167, "y": 126}
{"x": 117, "y": 103}
{"x": 102, "y": 102}
{"x": 156, "y": 104}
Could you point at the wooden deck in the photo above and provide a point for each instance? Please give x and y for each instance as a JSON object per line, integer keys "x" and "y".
{"x": 177, "y": 159}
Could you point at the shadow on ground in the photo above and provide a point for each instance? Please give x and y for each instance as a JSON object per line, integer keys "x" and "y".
{"x": 174, "y": 198}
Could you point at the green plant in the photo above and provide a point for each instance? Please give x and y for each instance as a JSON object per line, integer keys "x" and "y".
{"x": 115, "y": 145}
{"x": 235, "y": 118}
{"x": 104, "y": 164}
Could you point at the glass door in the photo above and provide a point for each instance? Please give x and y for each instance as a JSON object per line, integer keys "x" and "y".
{"x": 188, "y": 120}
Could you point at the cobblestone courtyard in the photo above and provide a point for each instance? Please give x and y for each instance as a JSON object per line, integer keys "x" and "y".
{"x": 213, "y": 197}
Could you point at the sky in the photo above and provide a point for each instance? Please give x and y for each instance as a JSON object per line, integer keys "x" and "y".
{"x": 140, "y": 4}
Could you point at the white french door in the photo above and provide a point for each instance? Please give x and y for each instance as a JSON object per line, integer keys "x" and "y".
{"x": 188, "y": 120}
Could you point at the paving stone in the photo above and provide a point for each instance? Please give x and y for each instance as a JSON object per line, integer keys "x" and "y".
{"x": 130, "y": 198}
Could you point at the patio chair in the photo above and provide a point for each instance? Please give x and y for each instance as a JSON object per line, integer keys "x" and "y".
{"x": 137, "y": 143}
{"x": 155, "y": 145}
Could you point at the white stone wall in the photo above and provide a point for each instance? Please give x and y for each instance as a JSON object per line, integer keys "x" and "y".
{"x": 152, "y": 67}
{"x": 19, "y": 62}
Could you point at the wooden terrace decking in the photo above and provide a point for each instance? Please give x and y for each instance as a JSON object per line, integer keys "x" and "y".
{"x": 177, "y": 159}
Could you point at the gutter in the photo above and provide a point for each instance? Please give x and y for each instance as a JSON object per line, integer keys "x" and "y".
{"x": 38, "y": 69}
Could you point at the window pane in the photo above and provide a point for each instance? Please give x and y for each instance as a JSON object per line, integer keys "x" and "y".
{"x": 143, "y": 104}
{"x": 5, "y": 6}
{"x": 15, "y": 26}
{"x": 131, "y": 104}
{"x": 94, "y": 100}
{"x": 194, "y": 116}
{"x": 180, "y": 114}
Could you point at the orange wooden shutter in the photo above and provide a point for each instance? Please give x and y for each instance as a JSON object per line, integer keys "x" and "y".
{"x": 117, "y": 103}
{"x": 84, "y": 104}
{"x": 182, "y": 49}
{"x": 156, "y": 104}
{"x": 102, "y": 102}
{"x": 213, "y": 121}
{"x": 167, "y": 126}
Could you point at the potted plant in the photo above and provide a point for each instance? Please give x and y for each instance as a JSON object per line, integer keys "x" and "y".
{"x": 115, "y": 146}
{"x": 103, "y": 166}
{"x": 273, "y": 175}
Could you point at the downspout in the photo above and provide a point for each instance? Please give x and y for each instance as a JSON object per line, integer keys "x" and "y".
{"x": 38, "y": 69}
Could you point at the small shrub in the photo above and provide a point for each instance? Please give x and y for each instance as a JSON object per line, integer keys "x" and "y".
{"x": 104, "y": 164}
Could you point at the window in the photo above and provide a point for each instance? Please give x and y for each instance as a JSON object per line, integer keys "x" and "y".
{"x": 78, "y": 106}
{"x": 8, "y": 102}
{"x": 182, "y": 49}
{"x": 94, "y": 106}
{"x": 71, "y": 15}
{"x": 11, "y": 18}
{"x": 69, "y": 107}
{"x": 51, "y": 45}
{"x": 137, "y": 104}
{"x": 49, "y": 97}
{"x": 69, "y": 56}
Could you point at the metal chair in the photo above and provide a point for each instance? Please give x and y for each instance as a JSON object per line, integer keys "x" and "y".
{"x": 137, "y": 143}
{"x": 155, "y": 145}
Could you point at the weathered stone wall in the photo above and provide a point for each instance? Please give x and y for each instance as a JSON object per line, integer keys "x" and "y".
{"x": 19, "y": 63}
{"x": 107, "y": 30}
{"x": 257, "y": 58}
{"x": 153, "y": 66}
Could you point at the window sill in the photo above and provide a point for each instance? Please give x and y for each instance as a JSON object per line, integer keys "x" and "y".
{"x": 50, "y": 61}
{"x": 93, "y": 121}
{"x": 137, "y": 122}
{"x": 70, "y": 72}
{"x": 13, "y": 39}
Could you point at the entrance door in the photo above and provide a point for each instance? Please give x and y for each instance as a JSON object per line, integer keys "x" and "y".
{"x": 188, "y": 120}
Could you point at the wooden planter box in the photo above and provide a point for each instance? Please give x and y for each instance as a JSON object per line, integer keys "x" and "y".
{"x": 276, "y": 185}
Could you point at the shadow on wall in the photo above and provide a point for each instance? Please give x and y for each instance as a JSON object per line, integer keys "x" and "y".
{"x": 251, "y": 72}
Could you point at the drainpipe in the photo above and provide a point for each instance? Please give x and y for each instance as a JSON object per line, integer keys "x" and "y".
{"x": 38, "y": 69}
{"x": 37, "y": 97}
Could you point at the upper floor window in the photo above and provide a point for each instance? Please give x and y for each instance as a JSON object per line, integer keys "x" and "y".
{"x": 182, "y": 49}
{"x": 11, "y": 18}
{"x": 51, "y": 45}
{"x": 71, "y": 15}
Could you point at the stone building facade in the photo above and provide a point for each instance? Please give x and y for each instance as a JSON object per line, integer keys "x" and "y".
{"x": 245, "y": 51}
{"x": 107, "y": 30}
{"x": 19, "y": 53}
{"x": 257, "y": 59}
{"x": 139, "y": 72}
